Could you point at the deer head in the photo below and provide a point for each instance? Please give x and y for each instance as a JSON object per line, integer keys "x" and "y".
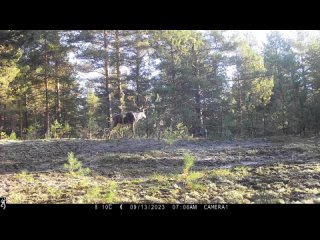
{"x": 142, "y": 103}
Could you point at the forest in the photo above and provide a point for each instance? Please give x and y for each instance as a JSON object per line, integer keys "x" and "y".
{"x": 215, "y": 101}
{"x": 211, "y": 83}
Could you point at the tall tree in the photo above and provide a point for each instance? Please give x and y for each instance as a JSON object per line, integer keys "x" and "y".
{"x": 252, "y": 89}
{"x": 9, "y": 56}
{"x": 280, "y": 62}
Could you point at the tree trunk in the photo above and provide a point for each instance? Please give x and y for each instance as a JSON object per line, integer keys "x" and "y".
{"x": 118, "y": 73}
{"x": 138, "y": 77}
{"x": 20, "y": 119}
{"x": 4, "y": 118}
{"x": 198, "y": 95}
{"x": 173, "y": 82}
{"x": 46, "y": 89}
{"x": 47, "y": 105}
{"x": 199, "y": 110}
{"x": 252, "y": 125}
{"x": 1, "y": 121}
{"x": 26, "y": 122}
{"x": 107, "y": 82}
{"x": 264, "y": 122}
{"x": 221, "y": 122}
{"x": 58, "y": 103}
{"x": 240, "y": 109}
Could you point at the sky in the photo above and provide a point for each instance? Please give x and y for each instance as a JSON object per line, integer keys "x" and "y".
{"x": 259, "y": 35}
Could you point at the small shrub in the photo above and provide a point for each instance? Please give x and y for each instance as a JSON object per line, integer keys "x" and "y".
{"x": 56, "y": 128}
{"x": 112, "y": 192}
{"x": 95, "y": 193}
{"x": 32, "y": 131}
{"x": 180, "y": 132}
{"x": 13, "y": 136}
{"x": 3, "y": 135}
{"x": 188, "y": 161}
{"x": 120, "y": 131}
{"x": 75, "y": 167}
{"x": 84, "y": 182}
{"x": 59, "y": 130}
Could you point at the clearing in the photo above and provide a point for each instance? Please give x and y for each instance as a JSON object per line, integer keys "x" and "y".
{"x": 268, "y": 170}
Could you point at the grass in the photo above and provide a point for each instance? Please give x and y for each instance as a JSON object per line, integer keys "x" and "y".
{"x": 136, "y": 181}
{"x": 17, "y": 198}
{"x": 197, "y": 186}
{"x": 221, "y": 173}
{"x": 54, "y": 192}
{"x": 195, "y": 176}
{"x": 100, "y": 193}
{"x": 75, "y": 167}
{"x": 188, "y": 161}
{"x": 243, "y": 186}
{"x": 25, "y": 177}
{"x": 275, "y": 183}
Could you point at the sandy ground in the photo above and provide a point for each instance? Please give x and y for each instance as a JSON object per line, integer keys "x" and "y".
{"x": 147, "y": 170}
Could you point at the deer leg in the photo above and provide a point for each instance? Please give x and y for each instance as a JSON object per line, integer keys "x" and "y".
{"x": 133, "y": 129}
{"x": 113, "y": 125}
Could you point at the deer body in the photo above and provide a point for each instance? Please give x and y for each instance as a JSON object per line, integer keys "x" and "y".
{"x": 130, "y": 118}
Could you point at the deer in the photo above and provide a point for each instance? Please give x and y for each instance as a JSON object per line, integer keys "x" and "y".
{"x": 130, "y": 118}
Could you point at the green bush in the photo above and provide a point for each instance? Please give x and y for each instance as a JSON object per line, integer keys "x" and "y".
{"x": 32, "y": 131}
{"x": 75, "y": 167}
{"x": 188, "y": 161}
{"x": 3, "y": 135}
{"x": 179, "y": 132}
{"x": 13, "y": 136}
{"x": 59, "y": 130}
{"x": 56, "y": 129}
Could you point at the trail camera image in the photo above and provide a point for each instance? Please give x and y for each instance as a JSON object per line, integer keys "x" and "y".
{"x": 159, "y": 117}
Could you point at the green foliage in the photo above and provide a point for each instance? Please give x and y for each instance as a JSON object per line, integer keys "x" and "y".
{"x": 185, "y": 73}
{"x": 93, "y": 194}
{"x": 195, "y": 175}
{"x": 188, "y": 161}
{"x": 26, "y": 177}
{"x": 13, "y": 136}
{"x": 105, "y": 194}
{"x": 111, "y": 194}
{"x": 59, "y": 130}
{"x": 92, "y": 106}
{"x": 32, "y": 131}
{"x": 121, "y": 131}
{"x": 179, "y": 132}
{"x": 56, "y": 128}
{"x": 54, "y": 191}
{"x": 196, "y": 186}
{"x": 221, "y": 173}
{"x": 75, "y": 167}
{"x": 3, "y": 135}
